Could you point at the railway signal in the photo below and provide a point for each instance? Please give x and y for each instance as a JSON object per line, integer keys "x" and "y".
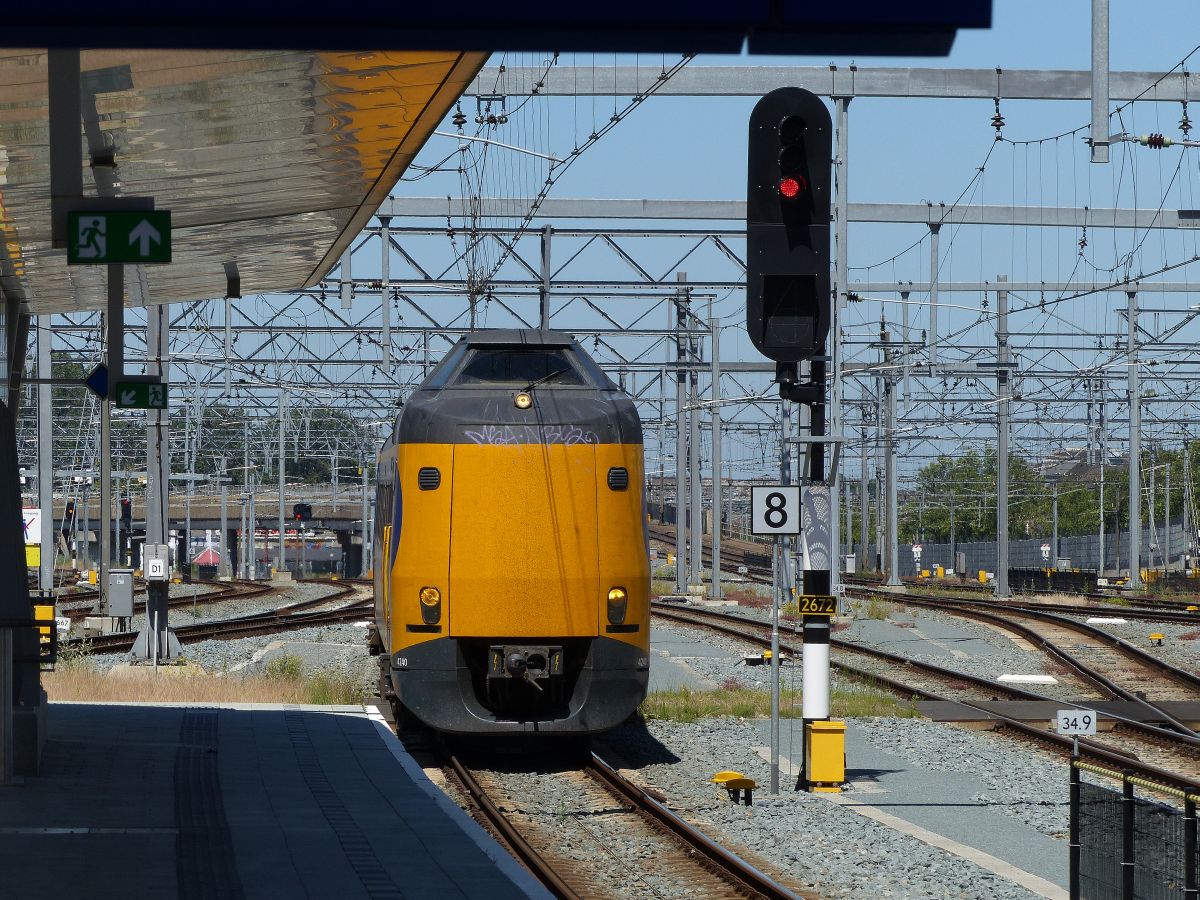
{"x": 787, "y": 225}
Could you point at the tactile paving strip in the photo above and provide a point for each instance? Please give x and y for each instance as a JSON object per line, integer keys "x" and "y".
{"x": 204, "y": 858}
{"x": 371, "y": 873}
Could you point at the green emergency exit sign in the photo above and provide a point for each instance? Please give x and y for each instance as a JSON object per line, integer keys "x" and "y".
{"x": 140, "y": 395}
{"x": 118, "y": 236}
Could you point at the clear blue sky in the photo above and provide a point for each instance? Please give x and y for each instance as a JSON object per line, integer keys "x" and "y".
{"x": 918, "y": 150}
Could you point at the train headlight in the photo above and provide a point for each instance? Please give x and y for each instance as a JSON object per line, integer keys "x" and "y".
{"x": 523, "y": 400}
{"x": 431, "y": 605}
{"x": 618, "y": 602}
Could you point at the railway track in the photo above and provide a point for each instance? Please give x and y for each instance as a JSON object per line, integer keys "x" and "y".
{"x": 610, "y": 812}
{"x": 1119, "y": 669}
{"x": 1137, "y": 605}
{"x": 284, "y": 618}
{"x": 1158, "y": 754}
{"x": 230, "y": 590}
{"x": 734, "y": 553}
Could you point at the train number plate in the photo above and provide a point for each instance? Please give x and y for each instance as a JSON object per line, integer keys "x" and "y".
{"x": 816, "y": 605}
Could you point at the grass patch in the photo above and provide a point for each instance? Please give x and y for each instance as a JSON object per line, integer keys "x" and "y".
{"x": 736, "y": 701}
{"x": 661, "y": 586}
{"x": 282, "y": 680}
{"x": 878, "y": 608}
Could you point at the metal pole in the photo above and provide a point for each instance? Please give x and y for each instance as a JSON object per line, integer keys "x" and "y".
{"x": 1002, "y": 393}
{"x": 225, "y": 561}
{"x": 1074, "y": 844}
{"x": 775, "y": 579}
{"x": 817, "y": 580}
{"x": 227, "y": 346}
{"x": 1100, "y": 405}
{"x": 662, "y": 447}
{"x": 696, "y": 503}
{"x": 715, "y": 421}
{"x": 281, "y": 562}
{"x": 45, "y": 433}
{"x": 1099, "y": 81}
{"x": 680, "y": 437}
{"x": 864, "y": 498}
{"x": 1150, "y": 504}
{"x": 932, "y": 337}
{"x": 544, "y": 292}
{"x": 1187, "y": 505}
{"x": 841, "y": 288}
{"x": 788, "y": 580}
{"x": 953, "y": 544}
{"x": 1166, "y": 551}
{"x": 365, "y": 566}
{"x": 1135, "y": 449}
{"x": 891, "y": 537}
{"x": 385, "y": 308}
{"x": 113, "y": 330}
{"x": 248, "y": 533}
{"x": 158, "y": 473}
{"x": 1054, "y": 540}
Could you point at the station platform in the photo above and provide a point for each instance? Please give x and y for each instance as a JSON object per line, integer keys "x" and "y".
{"x": 240, "y": 801}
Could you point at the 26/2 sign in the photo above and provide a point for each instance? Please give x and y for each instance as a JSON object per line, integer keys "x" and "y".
{"x": 775, "y": 509}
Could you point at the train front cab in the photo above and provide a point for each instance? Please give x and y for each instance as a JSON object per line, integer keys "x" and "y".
{"x": 518, "y": 579}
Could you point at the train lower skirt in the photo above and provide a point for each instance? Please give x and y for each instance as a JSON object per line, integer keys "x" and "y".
{"x": 518, "y": 686}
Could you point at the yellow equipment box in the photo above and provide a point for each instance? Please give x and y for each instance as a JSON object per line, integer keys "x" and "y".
{"x": 44, "y": 612}
{"x": 825, "y": 751}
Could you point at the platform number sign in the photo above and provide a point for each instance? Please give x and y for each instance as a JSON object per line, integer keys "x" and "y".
{"x": 1076, "y": 721}
{"x": 775, "y": 509}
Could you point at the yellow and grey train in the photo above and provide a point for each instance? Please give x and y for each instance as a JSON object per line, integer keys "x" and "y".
{"x": 512, "y": 575}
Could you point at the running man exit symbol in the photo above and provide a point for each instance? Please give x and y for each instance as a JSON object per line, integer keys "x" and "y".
{"x": 92, "y": 243}
{"x": 119, "y": 236}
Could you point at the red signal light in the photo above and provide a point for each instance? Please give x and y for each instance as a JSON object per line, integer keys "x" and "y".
{"x": 791, "y": 186}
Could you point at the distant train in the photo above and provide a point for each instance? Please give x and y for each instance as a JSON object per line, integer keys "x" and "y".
{"x": 512, "y": 575}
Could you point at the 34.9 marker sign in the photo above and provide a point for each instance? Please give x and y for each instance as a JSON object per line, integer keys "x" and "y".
{"x": 1076, "y": 721}
{"x": 775, "y": 509}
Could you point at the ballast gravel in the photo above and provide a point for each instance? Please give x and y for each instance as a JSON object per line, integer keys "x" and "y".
{"x": 999, "y": 654}
{"x": 1180, "y": 646}
{"x": 814, "y": 843}
{"x": 337, "y": 647}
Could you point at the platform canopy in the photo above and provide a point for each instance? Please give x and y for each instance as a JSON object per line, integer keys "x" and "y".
{"x": 269, "y": 161}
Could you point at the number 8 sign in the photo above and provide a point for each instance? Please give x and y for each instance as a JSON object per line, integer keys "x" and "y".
{"x": 775, "y": 509}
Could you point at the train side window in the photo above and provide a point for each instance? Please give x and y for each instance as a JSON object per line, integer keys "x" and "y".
{"x": 518, "y": 367}
{"x": 443, "y": 370}
{"x": 598, "y": 376}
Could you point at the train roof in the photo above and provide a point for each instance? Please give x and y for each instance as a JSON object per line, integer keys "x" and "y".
{"x": 508, "y": 337}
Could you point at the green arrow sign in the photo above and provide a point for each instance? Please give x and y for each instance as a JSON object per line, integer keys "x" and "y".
{"x": 99, "y": 238}
{"x": 140, "y": 395}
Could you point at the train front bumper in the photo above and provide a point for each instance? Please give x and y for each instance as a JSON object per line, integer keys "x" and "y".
{"x": 437, "y": 685}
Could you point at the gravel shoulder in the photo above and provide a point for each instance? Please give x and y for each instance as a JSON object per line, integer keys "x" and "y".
{"x": 1018, "y": 792}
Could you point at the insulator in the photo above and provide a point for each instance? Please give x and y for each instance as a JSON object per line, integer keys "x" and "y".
{"x": 1185, "y": 124}
{"x": 459, "y": 118}
{"x": 1155, "y": 141}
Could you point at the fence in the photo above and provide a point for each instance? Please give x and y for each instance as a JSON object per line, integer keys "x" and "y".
{"x": 1126, "y": 847}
